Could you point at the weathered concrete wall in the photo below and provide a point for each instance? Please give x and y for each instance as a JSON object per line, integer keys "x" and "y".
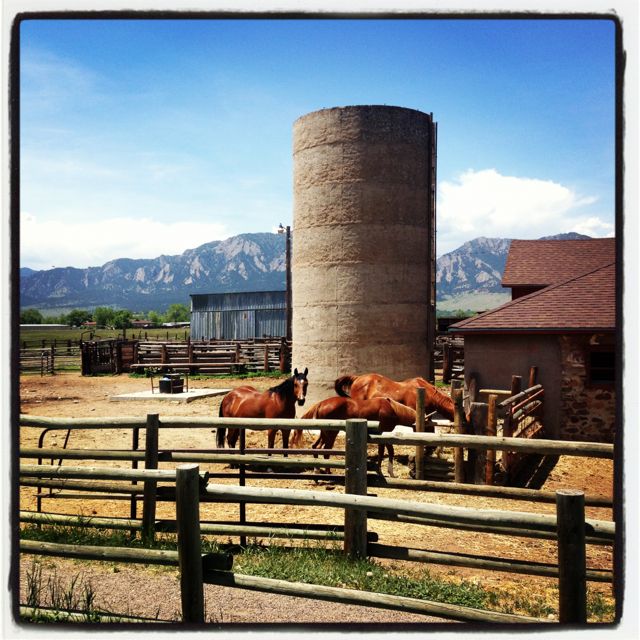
{"x": 361, "y": 257}
{"x": 589, "y": 412}
{"x": 495, "y": 359}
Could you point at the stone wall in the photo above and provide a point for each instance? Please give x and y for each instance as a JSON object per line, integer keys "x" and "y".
{"x": 588, "y": 413}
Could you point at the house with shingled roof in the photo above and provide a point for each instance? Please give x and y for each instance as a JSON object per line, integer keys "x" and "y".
{"x": 562, "y": 320}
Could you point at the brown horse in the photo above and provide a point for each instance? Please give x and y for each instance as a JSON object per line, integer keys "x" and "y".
{"x": 370, "y": 385}
{"x": 385, "y": 410}
{"x": 276, "y": 402}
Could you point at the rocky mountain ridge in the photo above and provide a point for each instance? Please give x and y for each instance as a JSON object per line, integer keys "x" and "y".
{"x": 247, "y": 262}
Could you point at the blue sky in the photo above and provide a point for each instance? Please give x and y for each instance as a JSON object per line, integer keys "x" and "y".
{"x": 143, "y": 137}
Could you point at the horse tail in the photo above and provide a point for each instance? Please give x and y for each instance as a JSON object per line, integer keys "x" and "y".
{"x": 220, "y": 431}
{"x": 343, "y": 384}
{"x": 312, "y": 412}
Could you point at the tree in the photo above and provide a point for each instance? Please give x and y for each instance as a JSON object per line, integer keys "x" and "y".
{"x": 78, "y": 317}
{"x": 154, "y": 318}
{"x": 103, "y": 316}
{"x": 30, "y": 316}
{"x": 122, "y": 319}
{"x": 177, "y": 313}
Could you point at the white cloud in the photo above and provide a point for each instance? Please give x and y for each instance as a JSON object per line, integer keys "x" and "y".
{"x": 486, "y": 203}
{"x": 45, "y": 244}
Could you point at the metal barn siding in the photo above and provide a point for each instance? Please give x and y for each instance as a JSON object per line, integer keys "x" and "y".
{"x": 238, "y": 316}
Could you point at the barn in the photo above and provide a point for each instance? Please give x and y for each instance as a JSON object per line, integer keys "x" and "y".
{"x": 562, "y": 319}
{"x": 238, "y": 316}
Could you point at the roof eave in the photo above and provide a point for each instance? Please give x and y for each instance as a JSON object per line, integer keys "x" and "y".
{"x": 530, "y": 330}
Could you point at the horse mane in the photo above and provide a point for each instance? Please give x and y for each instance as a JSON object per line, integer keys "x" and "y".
{"x": 284, "y": 388}
{"x": 342, "y": 382}
{"x": 439, "y": 400}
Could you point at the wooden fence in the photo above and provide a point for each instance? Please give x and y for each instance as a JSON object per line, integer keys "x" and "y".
{"x": 116, "y": 355}
{"x": 46, "y": 360}
{"x": 357, "y": 539}
{"x": 215, "y": 356}
{"x": 196, "y": 569}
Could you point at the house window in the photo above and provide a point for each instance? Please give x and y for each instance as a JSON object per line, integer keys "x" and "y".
{"x": 602, "y": 366}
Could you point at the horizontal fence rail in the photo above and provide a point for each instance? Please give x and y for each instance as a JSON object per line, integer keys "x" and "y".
{"x": 210, "y": 570}
{"x": 551, "y": 447}
{"x": 256, "y": 424}
{"x": 444, "y": 513}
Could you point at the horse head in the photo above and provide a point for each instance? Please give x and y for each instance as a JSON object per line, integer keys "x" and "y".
{"x": 300, "y": 384}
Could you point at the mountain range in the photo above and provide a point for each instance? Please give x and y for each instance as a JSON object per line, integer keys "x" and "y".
{"x": 467, "y": 278}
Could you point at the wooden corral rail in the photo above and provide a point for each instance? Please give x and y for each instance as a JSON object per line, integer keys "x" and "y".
{"x": 360, "y": 542}
{"x": 521, "y": 414}
{"x": 195, "y": 571}
{"x": 429, "y": 440}
{"x": 215, "y": 357}
{"x": 46, "y": 360}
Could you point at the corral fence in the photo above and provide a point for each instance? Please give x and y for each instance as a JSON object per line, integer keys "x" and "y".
{"x": 358, "y": 507}
{"x": 518, "y": 415}
{"x": 448, "y": 356}
{"x": 215, "y": 356}
{"x": 46, "y": 359}
{"x": 119, "y": 355}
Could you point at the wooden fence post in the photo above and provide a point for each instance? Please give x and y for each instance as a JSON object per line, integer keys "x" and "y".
{"x": 478, "y": 459}
{"x": 283, "y": 355}
{"x": 507, "y": 428}
{"x": 133, "y": 506}
{"x": 150, "y": 486}
{"x": 189, "y": 542}
{"x": 355, "y": 483}
{"x": 447, "y": 363}
{"x": 458, "y": 427}
{"x": 420, "y": 428}
{"x": 533, "y": 376}
{"x": 492, "y": 421}
{"x": 572, "y": 583}
{"x": 266, "y": 356}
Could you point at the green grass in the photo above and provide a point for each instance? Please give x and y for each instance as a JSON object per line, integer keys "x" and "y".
{"x": 329, "y": 566}
{"x": 35, "y": 335}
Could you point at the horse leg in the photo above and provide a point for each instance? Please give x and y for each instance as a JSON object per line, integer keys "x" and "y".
{"x": 232, "y": 437}
{"x": 381, "y": 456}
{"x": 390, "y": 466}
{"x": 271, "y": 439}
{"x": 296, "y": 439}
{"x": 220, "y": 433}
{"x": 285, "y": 439}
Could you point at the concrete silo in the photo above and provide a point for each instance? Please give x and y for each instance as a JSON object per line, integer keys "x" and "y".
{"x": 363, "y": 285}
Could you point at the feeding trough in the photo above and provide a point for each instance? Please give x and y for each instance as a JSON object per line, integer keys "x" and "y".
{"x": 171, "y": 383}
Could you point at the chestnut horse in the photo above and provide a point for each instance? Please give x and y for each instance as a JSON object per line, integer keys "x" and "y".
{"x": 370, "y": 385}
{"x": 276, "y": 402}
{"x": 385, "y": 410}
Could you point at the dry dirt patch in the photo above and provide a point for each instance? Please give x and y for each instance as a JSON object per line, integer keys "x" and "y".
{"x": 72, "y": 395}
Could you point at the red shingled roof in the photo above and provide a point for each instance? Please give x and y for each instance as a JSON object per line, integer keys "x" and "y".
{"x": 545, "y": 262}
{"x": 586, "y": 302}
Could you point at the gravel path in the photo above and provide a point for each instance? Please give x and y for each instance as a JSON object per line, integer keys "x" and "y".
{"x": 155, "y": 593}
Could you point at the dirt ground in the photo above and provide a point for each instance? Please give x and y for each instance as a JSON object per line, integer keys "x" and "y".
{"x": 72, "y": 395}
